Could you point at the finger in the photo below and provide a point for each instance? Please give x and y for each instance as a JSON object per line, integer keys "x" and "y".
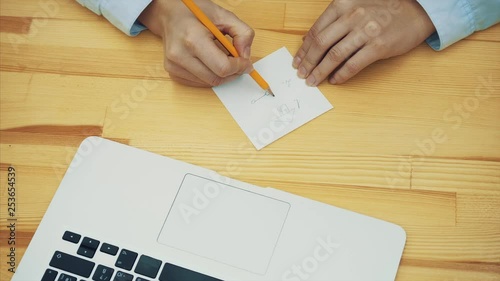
{"x": 217, "y": 61}
{"x": 355, "y": 64}
{"x": 322, "y": 42}
{"x": 241, "y": 33}
{"x": 188, "y": 82}
{"x": 220, "y": 46}
{"x": 196, "y": 68}
{"x": 181, "y": 75}
{"x": 329, "y": 16}
{"x": 202, "y": 58}
{"x": 175, "y": 70}
{"x": 337, "y": 54}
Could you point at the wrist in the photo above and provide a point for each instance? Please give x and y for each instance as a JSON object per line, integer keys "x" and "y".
{"x": 424, "y": 22}
{"x": 153, "y": 17}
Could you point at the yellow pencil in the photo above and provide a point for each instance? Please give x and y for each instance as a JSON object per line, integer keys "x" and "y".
{"x": 224, "y": 41}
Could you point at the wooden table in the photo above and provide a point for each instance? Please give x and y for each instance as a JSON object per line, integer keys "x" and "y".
{"x": 413, "y": 140}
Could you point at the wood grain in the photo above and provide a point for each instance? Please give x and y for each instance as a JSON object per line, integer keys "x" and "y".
{"x": 414, "y": 140}
{"x": 17, "y": 25}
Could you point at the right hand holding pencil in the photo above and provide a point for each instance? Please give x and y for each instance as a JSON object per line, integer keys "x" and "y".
{"x": 192, "y": 55}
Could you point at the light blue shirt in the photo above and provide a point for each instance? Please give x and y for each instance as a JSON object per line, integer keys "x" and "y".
{"x": 453, "y": 19}
{"x": 122, "y": 14}
{"x": 457, "y": 19}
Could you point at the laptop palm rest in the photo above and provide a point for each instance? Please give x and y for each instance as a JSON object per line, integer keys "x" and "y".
{"x": 224, "y": 223}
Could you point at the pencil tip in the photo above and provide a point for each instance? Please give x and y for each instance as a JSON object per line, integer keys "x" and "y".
{"x": 270, "y": 92}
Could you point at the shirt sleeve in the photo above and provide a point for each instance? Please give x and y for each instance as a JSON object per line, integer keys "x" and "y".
{"x": 457, "y": 19}
{"x": 122, "y": 14}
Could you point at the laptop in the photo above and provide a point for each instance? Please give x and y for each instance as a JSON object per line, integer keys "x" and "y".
{"x": 121, "y": 213}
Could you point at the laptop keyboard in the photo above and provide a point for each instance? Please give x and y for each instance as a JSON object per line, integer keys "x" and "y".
{"x": 128, "y": 266}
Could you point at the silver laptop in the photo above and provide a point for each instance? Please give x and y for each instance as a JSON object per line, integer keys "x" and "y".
{"x": 122, "y": 213}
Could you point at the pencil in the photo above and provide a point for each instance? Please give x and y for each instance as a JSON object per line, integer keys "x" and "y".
{"x": 224, "y": 41}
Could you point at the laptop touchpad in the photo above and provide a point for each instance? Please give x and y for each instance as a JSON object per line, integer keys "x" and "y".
{"x": 224, "y": 223}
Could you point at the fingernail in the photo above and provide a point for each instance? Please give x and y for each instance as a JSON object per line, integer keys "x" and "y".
{"x": 249, "y": 69}
{"x": 302, "y": 72}
{"x": 296, "y": 62}
{"x": 332, "y": 81}
{"x": 246, "y": 53}
{"x": 311, "y": 81}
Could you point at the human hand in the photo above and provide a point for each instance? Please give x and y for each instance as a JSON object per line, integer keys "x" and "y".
{"x": 192, "y": 55}
{"x": 352, "y": 34}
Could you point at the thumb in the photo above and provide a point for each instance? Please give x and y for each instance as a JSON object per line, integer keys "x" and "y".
{"x": 241, "y": 33}
{"x": 240, "y": 65}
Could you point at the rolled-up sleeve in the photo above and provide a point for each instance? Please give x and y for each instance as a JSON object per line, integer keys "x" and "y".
{"x": 457, "y": 19}
{"x": 122, "y": 14}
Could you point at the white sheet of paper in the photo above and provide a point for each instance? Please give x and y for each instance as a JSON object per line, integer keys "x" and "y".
{"x": 265, "y": 118}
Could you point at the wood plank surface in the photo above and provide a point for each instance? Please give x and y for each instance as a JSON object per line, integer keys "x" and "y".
{"x": 413, "y": 140}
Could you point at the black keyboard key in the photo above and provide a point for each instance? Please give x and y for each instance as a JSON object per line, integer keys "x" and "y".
{"x": 103, "y": 273}
{"x": 72, "y": 264}
{"x": 90, "y": 243}
{"x": 172, "y": 272}
{"x": 126, "y": 259}
{"x": 109, "y": 249}
{"x": 71, "y": 237}
{"x": 86, "y": 252}
{"x": 122, "y": 276}
{"x": 66, "y": 277}
{"x": 148, "y": 266}
{"x": 49, "y": 275}
{"x": 140, "y": 279}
